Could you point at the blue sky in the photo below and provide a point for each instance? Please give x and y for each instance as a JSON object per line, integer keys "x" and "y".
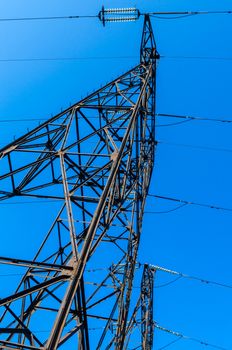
{"x": 193, "y": 240}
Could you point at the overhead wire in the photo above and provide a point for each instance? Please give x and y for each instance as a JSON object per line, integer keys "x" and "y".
{"x": 184, "y": 337}
{"x": 182, "y": 201}
{"x": 168, "y": 283}
{"x": 206, "y": 148}
{"x": 30, "y": 202}
{"x": 180, "y": 57}
{"x": 39, "y": 59}
{"x": 190, "y": 277}
{"x": 171, "y": 343}
{"x": 50, "y": 59}
{"x": 188, "y": 117}
{"x": 33, "y": 119}
{"x": 46, "y": 18}
{"x": 162, "y": 115}
{"x": 167, "y": 211}
{"x": 173, "y": 124}
{"x": 158, "y": 14}
{"x": 180, "y": 14}
{"x": 5, "y": 202}
{"x": 48, "y": 331}
{"x": 173, "y": 17}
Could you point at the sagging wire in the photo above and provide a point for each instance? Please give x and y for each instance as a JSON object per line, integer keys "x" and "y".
{"x": 172, "y": 124}
{"x": 46, "y": 18}
{"x": 169, "y": 344}
{"x": 168, "y": 283}
{"x": 166, "y": 211}
{"x": 181, "y": 57}
{"x": 129, "y": 14}
{"x": 206, "y": 148}
{"x": 184, "y": 337}
{"x": 188, "y": 118}
{"x": 183, "y": 204}
{"x": 183, "y": 275}
{"x": 192, "y": 118}
{"x": 173, "y": 17}
{"x": 181, "y": 201}
{"x": 182, "y": 14}
{"x": 49, "y": 59}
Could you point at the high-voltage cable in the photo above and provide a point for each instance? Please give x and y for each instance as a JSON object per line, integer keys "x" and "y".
{"x": 183, "y": 275}
{"x": 190, "y": 12}
{"x": 163, "y": 115}
{"x": 46, "y": 18}
{"x": 129, "y": 14}
{"x": 181, "y": 201}
{"x": 48, "y": 59}
{"x": 188, "y": 117}
{"x": 185, "y": 337}
{"x": 184, "y": 14}
{"x": 206, "y": 148}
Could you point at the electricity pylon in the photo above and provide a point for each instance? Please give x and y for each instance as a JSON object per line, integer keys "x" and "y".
{"x": 96, "y": 158}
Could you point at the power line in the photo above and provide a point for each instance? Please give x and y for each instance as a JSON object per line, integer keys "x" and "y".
{"x": 179, "y": 275}
{"x": 183, "y": 203}
{"x": 175, "y": 14}
{"x": 172, "y": 17}
{"x": 210, "y": 206}
{"x": 207, "y": 148}
{"x": 33, "y": 119}
{"x": 182, "y": 336}
{"x": 50, "y": 59}
{"x": 167, "y": 211}
{"x": 162, "y": 115}
{"x": 187, "y": 117}
{"x": 173, "y": 124}
{"x": 64, "y": 58}
{"x": 169, "y": 344}
{"x": 22, "y": 120}
{"x": 183, "y": 275}
{"x": 31, "y": 202}
{"x": 189, "y": 12}
{"x": 46, "y": 18}
{"x": 184, "y": 14}
{"x": 168, "y": 283}
{"x": 215, "y": 58}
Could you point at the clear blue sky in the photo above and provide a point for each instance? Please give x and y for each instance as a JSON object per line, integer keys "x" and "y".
{"x": 193, "y": 240}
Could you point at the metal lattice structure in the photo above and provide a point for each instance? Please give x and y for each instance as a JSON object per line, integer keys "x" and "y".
{"x": 96, "y": 158}
{"x": 147, "y": 321}
{"x": 141, "y": 320}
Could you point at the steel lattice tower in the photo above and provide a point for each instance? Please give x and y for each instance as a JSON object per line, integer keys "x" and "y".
{"x": 96, "y": 158}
